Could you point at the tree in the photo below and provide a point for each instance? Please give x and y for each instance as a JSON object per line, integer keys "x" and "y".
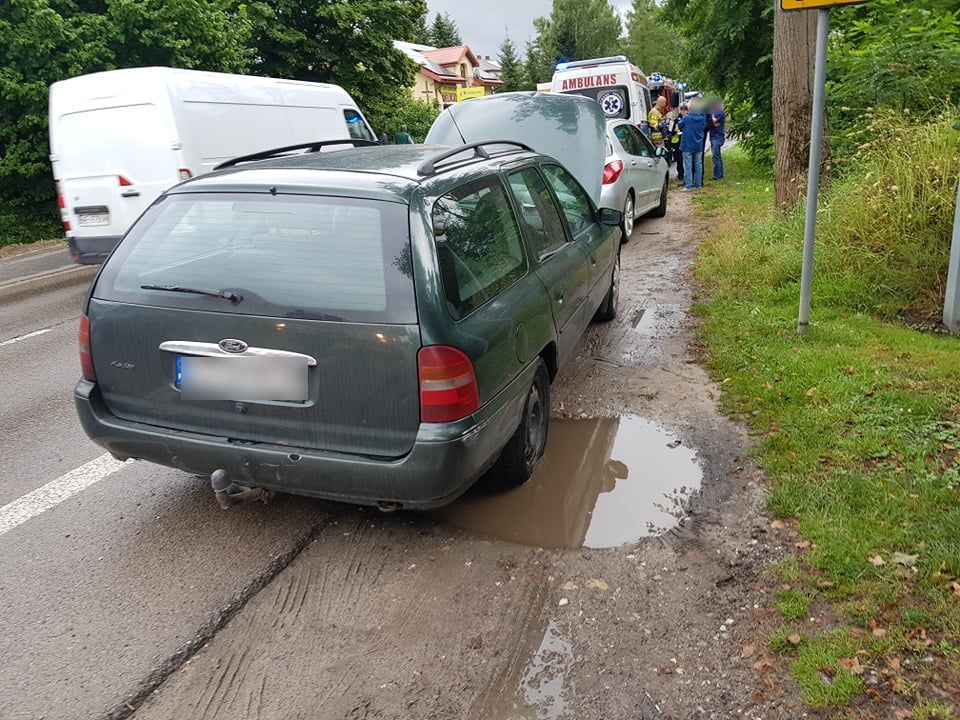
{"x": 512, "y": 71}
{"x": 444, "y": 31}
{"x": 421, "y": 33}
{"x": 650, "y": 42}
{"x": 349, "y": 43}
{"x": 728, "y": 48}
{"x": 574, "y": 30}
{"x": 794, "y": 42}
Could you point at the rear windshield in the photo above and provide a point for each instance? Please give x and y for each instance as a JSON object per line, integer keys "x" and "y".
{"x": 296, "y": 256}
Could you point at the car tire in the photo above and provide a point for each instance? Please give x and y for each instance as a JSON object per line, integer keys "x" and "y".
{"x": 523, "y": 451}
{"x": 629, "y": 217}
{"x": 611, "y": 302}
{"x": 660, "y": 210}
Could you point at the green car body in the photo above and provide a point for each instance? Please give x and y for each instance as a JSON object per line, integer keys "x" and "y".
{"x": 361, "y": 434}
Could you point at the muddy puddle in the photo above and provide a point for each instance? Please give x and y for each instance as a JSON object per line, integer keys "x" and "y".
{"x": 603, "y": 482}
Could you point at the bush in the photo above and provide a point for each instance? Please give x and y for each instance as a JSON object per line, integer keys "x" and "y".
{"x": 417, "y": 115}
{"x": 23, "y": 224}
{"x": 884, "y": 227}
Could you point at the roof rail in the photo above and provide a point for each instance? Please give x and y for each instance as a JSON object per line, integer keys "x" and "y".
{"x": 281, "y": 151}
{"x": 429, "y": 166}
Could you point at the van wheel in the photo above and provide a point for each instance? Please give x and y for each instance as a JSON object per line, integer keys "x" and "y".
{"x": 611, "y": 303}
{"x": 524, "y": 450}
{"x": 661, "y": 209}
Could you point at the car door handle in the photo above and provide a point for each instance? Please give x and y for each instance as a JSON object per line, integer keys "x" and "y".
{"x": 649, "y": 163}
{"x": 559, "y": 296}
{"x": 633, "y": 162}
{"x": 593, "y": 259}
{"x": 130, "y": 193}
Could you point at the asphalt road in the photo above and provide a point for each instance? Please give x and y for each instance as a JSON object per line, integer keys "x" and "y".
{"x": 126, "y": 590}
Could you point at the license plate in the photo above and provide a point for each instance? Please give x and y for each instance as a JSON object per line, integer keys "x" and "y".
{"x": 249, "y": 379}
{"x": 89, "y": 220}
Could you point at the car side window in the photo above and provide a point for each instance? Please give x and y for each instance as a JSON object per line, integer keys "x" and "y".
{"x": 626, "y": 139}
{"x": 356, "y": 126}
{"x": 644, "y": 146}
{"x": 478, "y": 245}
{"x": 538, "y": 212}
{"x": 573, "y": 200}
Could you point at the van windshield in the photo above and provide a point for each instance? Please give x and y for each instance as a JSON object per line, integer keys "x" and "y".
{"x": 130, "y": 140}
{"x": 320, "y": 258}
{"x": 614, "y": 100}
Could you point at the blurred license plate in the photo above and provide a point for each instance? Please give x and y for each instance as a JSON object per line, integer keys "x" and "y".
{"x": 88, "y": 219}
{"x": 242, "y": 378}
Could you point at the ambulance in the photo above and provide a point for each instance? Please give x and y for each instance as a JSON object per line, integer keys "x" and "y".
{"x": 618, "y": 85}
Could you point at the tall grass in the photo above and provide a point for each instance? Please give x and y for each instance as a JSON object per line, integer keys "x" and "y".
{"x": 884, "y": 226}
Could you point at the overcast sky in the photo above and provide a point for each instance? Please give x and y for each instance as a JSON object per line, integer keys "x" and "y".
{"x": 483, "y": 23}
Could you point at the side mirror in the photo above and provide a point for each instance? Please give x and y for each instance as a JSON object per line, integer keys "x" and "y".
{"x": 661, "y": 152}
{"x": 609, "y": 217}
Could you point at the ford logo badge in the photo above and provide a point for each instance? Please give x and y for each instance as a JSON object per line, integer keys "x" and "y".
{"x": 232, "y": 346}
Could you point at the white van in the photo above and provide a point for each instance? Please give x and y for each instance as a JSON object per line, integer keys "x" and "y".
{"x": 120, "y": 138}
{"x": 617, "y": 84}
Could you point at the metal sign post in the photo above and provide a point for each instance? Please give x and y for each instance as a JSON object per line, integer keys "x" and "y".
{"x": 816, "y": 143}
{"x": 951, "y": 303}
{"x": 813, "y": 170}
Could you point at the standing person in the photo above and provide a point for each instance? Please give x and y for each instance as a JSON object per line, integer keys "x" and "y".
{"x": 383, "y": 139}
{"x": 403, "y": 137}
{"x": 718, "y": 136}
{"x": 694, "y": 127}
{"x": 655, "y": 118}
{"x": 675, "y": 139}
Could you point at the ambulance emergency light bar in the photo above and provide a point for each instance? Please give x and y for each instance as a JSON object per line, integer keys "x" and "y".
{"x": 592, "y": 63}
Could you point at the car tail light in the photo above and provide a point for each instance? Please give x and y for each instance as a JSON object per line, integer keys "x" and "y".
{"x": 612, "y": 171}
{"x": 83, "y": 341}
{"x": 448, "y": 384}
{"x": 185, "y": 174}
{"x": 61, "y": 203}
{"x": 66, "y": 226}
{"x": 123, "y": 181}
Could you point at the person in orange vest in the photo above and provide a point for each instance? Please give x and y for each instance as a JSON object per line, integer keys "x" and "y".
{"x": 655, "y": 118}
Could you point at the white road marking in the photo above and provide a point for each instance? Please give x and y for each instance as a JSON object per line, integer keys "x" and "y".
{"x": 17, "y": 339}
{"x": 56, "y": 491}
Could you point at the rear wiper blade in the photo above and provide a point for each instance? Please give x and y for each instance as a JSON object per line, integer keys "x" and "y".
{"x": 225, "y": 294}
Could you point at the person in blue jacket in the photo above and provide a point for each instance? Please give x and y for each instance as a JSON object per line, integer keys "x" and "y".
{"x": 693, "y": 127}
{"x": 717, "y": 128}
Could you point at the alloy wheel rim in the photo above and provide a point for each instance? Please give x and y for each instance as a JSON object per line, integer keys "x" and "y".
{"x": 628, "y": 217}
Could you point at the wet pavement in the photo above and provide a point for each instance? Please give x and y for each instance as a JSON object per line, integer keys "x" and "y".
{"x": 603, "y": 482}
{"x": 600, "y": 590}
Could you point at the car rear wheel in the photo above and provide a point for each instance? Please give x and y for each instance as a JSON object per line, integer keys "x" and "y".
{"x": 628, "y": 217}
{"x": 611, "y": 303}
{"x": 660, "y": 210}
{"x": 524, "y": 450}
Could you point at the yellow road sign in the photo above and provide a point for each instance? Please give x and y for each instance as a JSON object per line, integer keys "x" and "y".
{"x": 811, "y": 4}
{"x": 465, "y": 93}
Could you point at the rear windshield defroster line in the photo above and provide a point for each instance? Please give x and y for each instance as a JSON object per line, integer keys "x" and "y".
{"x": 292, "y": 256}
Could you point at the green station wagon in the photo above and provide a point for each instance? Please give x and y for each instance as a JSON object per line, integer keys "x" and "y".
{"x": 377, "y": 325}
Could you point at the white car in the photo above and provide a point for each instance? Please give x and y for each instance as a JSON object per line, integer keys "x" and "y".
{"x": 635, "y": 175}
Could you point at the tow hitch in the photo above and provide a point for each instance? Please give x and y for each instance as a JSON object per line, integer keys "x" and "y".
{"x": 229, "y": 493}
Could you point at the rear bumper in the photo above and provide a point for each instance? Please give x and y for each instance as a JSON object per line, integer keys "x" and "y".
{"x": 446, "y": 459}
{"x": 91, "y": 250}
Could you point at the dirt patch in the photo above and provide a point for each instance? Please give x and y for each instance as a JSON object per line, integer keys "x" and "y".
{"x": 404, "y": 616}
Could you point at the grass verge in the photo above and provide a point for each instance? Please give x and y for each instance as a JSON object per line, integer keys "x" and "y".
{"x": 857, "y": 427}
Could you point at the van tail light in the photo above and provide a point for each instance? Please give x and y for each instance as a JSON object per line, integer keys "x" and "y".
{"x": 123, "y": 181}
{"x": 448, "y": 384}
{"x": 185, "y": 174}
{"x": 612, "y": 171}
{"x": 83, "y": 341}
{"x": 62, "y": 204}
